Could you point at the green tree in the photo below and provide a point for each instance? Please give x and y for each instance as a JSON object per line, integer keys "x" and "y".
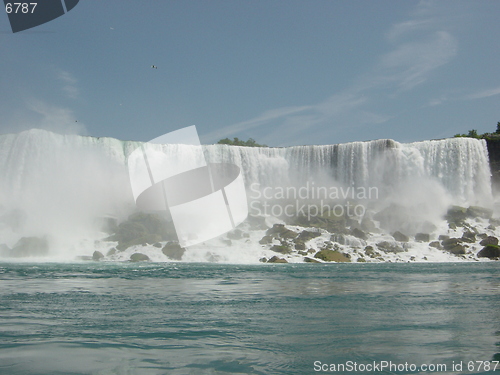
{"x": 238, "y": 142}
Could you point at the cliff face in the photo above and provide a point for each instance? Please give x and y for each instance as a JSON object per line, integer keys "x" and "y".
{"x": 494, "y": 155}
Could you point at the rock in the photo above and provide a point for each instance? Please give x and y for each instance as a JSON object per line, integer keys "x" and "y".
{"x": 139, "y": 257}
{"x": 390, "y": 247}
{"x": 327, "y": 220}
{"x": 263, "y": 260}
{"x": 361, "y": 260}
{"x": 275, "y": 259}
{"x": 303, "y": 253}
{"x": 279, "y": 230}
{"x": 311, "y": 260}
{"x": 30, "y": 246}
{"x": 443, "y": 237}
{"x": 422, "y": 237}
{"x": 450, "y": 243}
{"x": 235, "y": 234}
{"x": 490, "y": 240}
{"x": 111, "y": 251}
{"x": 360, "y": 234}
{"x": 173, "y": 250}
{"x": 283, "y": 249}
{"x": 456, "y": 214}
{"x": 476, "y": 211}
{"x": 300, "y": 245}
{"x": 158, "y": 245}
{"x": 435, "y": 244}
{"x": 489, "y": 251}
{"x": 266, "y": 240}
{"x": 331, "y": 256}
{"x": 469, "y": 236}
{"x": 398, "y": 236}
{"x": 369, "y": 251}
{"x": 142, "y": 228}
{"x": 457, "y": 249}
{"x": 307, "y": 235}
{"x": 97, "y": 255}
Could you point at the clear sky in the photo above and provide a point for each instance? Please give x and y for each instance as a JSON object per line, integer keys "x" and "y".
{"x": 282, "y": 72}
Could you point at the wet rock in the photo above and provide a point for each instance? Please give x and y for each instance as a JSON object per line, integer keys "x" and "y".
{"x": 275, "y": 259}
{"x": 328, "y": 255}
{"x": 142, "y": 228}
{"x": 390, "y": 247}
{"x": 283, "y": 249}
{"x": 398, "y": 236}
{"x": 327, "y": 220}
{"x": 361, "y": 260}
{"x": 370, "y": 251}
{"x": 97, "y": 255}
{"x": 490, "y": 240}
{"x": 476, "y": 211}
{"x": 469, "y": 236}
{"x": 139, "y": 257}
{"x": 360, "y": 234}
{"x": 489, "y": 251}
{"x": 280, "y": 231}
{"x": 266, "y": 240}
{"x": 457, "y": 249}
{"x": 158, "y": 245}
{"x": 311, "y": 260}
{"x": 307, "y": 235}
{"x": 422, "y": 237}
{"x": 443, "y": 237}
{"x": 111, "y": 251}
{"x": 435, "y": 244}
{"x": 450, "y": 242}
{"x": 263, "y": 260}
{"x": 456, "y": 214}
{"x": 173, "y": 250}
{"x": 300, "y": 245}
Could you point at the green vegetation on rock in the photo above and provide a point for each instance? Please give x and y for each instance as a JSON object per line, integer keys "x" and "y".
{"x": 239, "y": 142}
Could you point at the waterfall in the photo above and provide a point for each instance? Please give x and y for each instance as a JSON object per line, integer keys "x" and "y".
{"x": 59, "y": 184}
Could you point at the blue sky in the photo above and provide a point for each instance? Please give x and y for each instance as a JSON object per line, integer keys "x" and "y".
{"x": 282, "y": 72}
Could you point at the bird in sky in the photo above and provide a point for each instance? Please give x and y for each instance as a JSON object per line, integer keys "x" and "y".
{"x": 154, "y": 67}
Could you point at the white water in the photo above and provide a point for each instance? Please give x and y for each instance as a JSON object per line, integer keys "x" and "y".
{"x": 62, "y": 183}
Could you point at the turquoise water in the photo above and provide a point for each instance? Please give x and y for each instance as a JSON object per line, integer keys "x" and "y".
{"x": 181, "y": 318}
